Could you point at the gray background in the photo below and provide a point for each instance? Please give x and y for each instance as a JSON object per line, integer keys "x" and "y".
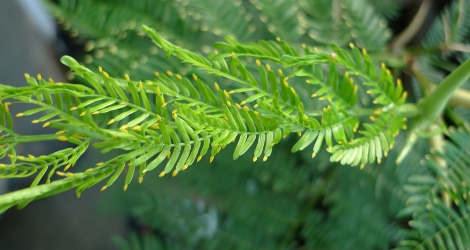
{"x": 27, "y": 45}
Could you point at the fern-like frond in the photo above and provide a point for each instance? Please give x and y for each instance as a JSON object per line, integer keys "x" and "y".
{"x": 356, "y": 63}
{"x": 269, "y": 89}
{"x": 223, "y": 18}
{"x": 114, "y": 38}
{"x": 452, "y": 27}
{"x": 449, "y": 34}
{"x": 366, "y": 27}
{"x": 191, "y": 122}
{"x": 335, "y": 125}
{"x": 341, "y": 94}
{"x": 340, "y": 22}
{"x": 377, "y": 141}
{"x": 435, "y": 223}
{"x": 174, "y": 121}
{"x": 323, "y": 22}
{"x": 388, "y": 9}
{"x": 280, "y": 17}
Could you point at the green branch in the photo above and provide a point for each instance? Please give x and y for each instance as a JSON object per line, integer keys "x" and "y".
{"x": 432, "y": 105}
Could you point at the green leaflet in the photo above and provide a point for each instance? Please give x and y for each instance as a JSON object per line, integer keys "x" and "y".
{"x": 130, "y": 174}
{"x": 147, "y": 155}
{"x": 116, "y": 174}
{"x": 260, "y": 145}
{"x": 183, "y": 158}
{"x": 306, "y": 139}
{"x": 138, "y": 120}
{"x": 153, "y": 164}
{"x": 173, "y": 158}
{"x": 247, "y": 144}
{"x": 241, "y": 142}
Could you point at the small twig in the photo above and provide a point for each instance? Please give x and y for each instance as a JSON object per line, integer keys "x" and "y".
{"x": 410, "y": 31}
{"x": 459, "y": 47}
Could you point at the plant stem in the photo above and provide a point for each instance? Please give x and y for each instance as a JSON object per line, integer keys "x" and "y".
{"x": 433, "y": 104}
{"x": 363, "y": 112}
{"x": 32, "y": 138}
{"x": 353, "y": 112}
{"x": 412, "y": 29}
{"x": 460, "y": 97}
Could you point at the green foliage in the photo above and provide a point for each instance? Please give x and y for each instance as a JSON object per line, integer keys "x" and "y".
{"x": 167, "y": 102}
{"x": 144, "y": 241}
{"x": 195, "y": 118}
{"x": 451, "y": 33}
{"x": 440, "y": 221}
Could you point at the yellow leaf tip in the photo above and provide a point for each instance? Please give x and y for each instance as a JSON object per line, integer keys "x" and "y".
{"x": 62, "y": 138}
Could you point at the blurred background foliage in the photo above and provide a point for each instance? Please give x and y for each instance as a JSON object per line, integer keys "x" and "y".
{"x": 291, "y": 201}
